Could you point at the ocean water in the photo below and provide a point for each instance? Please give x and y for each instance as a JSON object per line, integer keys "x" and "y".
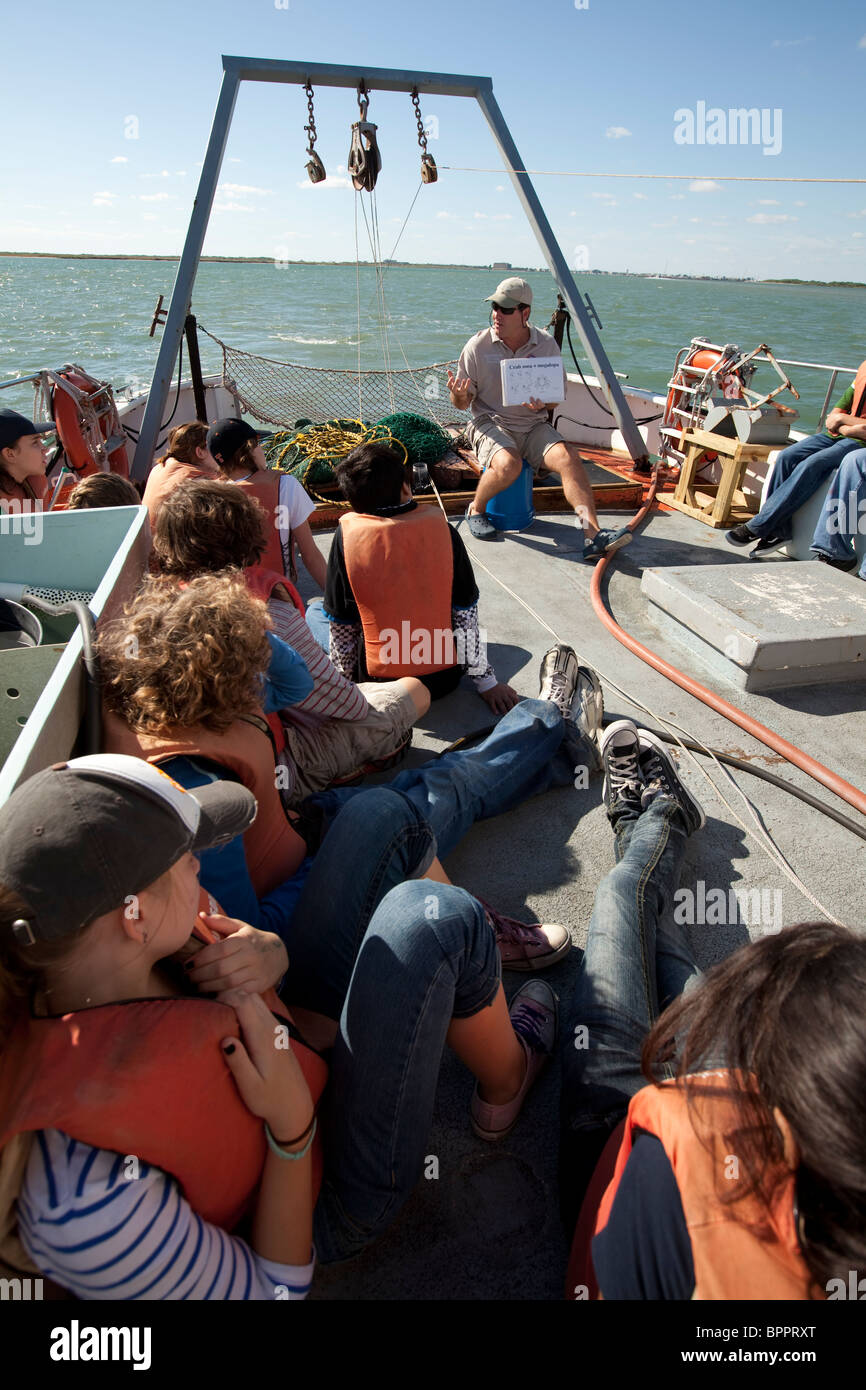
{"x": 98, "y": 314}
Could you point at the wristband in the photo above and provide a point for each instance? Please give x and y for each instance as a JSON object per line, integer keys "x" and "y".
{"x": 280, "y": 1152}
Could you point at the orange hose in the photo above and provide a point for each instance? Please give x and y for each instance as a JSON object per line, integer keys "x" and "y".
{"x": 789, "y": 751}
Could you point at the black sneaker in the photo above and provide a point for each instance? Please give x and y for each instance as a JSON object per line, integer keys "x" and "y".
{"x": 662, "y": 779}
{"x": 558, "y": 676}
{"x": 849, "y": 563}
{"x": 623, "y": 778}
{"x": 740, "y": 535}
{"x": 767, "y": 546}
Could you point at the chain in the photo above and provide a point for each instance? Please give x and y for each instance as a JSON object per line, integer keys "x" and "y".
{"x": 422, "y": 136}
{"x": 311, "y": 128}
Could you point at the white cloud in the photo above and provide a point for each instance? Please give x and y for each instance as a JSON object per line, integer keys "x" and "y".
{"x": 232, "y": 159}
{"x": 104, "y": 193}
{"x": 696, "y": 219}
{"x": 231, "y": 189}
{"x": 605, "y": 198}
{"x": 502, "y": 217}
{"x": 861, "y": 213}
{"x": 762, "y": 218}
{"x": 689, "y": 241}
{"x": 616, "y": 132}
{"x": 233, "y": 207}
{"x": 119, "y": 159}
{"x": 500, "y": 188}
{"x": 769, "y": 203}
{"x": 791, "y": 43}
{"x": 799, "y": 203}
{"x": 153, "y": 197}
{"x": 642, "y": 196}
{"x": 329, "y": 182}
{"x": 479, "y": 215}
{"x": 100, "y": 202}
{"x": 704, "y": 186}
{"x": 447, "y": 216}
{"x": 857, "y": 234}
{"x": 862, "y": 43}
{"x": 678, "y": 197}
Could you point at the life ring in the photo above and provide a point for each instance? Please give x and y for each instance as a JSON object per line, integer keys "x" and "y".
{"x": 67, "y": 405}
{"x": 699, "y": 360}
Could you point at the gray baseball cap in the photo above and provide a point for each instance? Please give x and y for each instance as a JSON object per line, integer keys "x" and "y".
{"x": 511, "y": 292}
{"x": 79, "y": 838}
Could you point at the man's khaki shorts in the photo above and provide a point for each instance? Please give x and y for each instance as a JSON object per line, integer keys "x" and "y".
{"x": 334, "y": 748}
{"x": 486, "y": 438}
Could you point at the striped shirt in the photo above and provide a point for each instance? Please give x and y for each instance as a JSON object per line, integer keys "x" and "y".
{"x": 333, "y": 696}
{"x": 105, "y": 1226}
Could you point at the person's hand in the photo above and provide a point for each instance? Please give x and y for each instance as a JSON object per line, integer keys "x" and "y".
{"x": 501, "y": 698}
{"x": 533, "y": 404}
{"x": 246, "y": 959}
{"x": 268, "y": 1077}
{"x": 461, "y": 390}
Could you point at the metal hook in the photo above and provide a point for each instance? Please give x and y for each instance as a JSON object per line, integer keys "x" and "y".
{"x": 363, "y": 99}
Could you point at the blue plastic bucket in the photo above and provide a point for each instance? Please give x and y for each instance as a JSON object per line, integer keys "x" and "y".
{"x": 512, "y": 510}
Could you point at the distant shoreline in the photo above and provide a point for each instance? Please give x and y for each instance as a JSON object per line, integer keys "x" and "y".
{"x": 426, "y": 265}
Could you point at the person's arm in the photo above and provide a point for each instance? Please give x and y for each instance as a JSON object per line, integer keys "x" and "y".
{"x": 644, "y": 1251}
{"x": 463, "y": 386}
{"x": 287, "y": 680}
{"x": 840, "y": 420}
{"x": 345, "y": 648}
{"x": 102, "y": 1234}
{"x": 317, "y": 565}
{"x": 333, "y": 696}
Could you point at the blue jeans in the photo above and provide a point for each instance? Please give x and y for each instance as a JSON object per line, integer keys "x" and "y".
{"x": 632, "y": 969}
{"x": 318, "y": 623}
{"x": 525, "y": 754}
{"x": 842, "y": 516}
{"x": 800, "y": 471}
{"x": 376, "y": 842}
{"x": 427, "y": 956}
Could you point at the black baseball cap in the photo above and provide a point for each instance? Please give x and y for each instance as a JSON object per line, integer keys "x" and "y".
{"x": 79, "y": 838}
{"x": 225, "y": 437}
{"x": 13, "y": 426}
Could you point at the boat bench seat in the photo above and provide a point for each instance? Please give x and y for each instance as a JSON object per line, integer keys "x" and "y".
{"x": 806, "y": 519}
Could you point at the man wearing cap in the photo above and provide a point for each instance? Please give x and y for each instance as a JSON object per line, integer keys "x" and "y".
{"x": 503, "y": 435}
{"x": 22, "y": 458}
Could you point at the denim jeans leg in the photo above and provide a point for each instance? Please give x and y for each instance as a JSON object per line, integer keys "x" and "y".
{"x": 428, "y": 956}
{"x": 616, "y": 1000}
{"x": 375, "y": 843}
{"x": 843, "y": 513}
{"x": 800, "y": 471}
{"x": 525, "y": 754}
{"x": 318, "y": 623}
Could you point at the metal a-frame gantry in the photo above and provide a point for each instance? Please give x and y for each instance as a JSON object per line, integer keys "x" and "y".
{"x": 238, "y": 70}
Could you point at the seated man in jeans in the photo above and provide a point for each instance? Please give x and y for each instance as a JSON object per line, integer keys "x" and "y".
{"x": 801, "y": 469}
{"x": 843, "y": 516}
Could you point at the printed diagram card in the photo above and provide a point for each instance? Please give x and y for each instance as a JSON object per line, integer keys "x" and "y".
{"x": 538, "y": 378}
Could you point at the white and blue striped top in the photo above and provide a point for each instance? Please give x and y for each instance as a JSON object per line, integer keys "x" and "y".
{"x": 103, "y": 1234}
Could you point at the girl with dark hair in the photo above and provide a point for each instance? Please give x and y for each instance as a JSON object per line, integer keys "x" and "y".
{"x": 723, "y": 1156}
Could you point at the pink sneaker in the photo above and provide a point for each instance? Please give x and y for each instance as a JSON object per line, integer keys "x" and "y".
{"x": 533, "y": 1018}
{"x": 527, "y": 948}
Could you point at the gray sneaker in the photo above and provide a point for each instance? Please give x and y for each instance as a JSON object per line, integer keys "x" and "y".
{"x": 662, "y": 779}
{"x": 558, "y": 676}
{"x": 623, "y": 778}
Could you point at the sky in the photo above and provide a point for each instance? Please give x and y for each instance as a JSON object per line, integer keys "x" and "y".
{"x": 107, "y": 113}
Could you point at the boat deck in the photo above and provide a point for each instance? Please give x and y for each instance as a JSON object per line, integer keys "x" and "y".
{"x": 488, "y": 1226}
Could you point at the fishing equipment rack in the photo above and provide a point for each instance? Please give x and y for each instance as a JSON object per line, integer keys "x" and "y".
{"x": 423, "y": 84}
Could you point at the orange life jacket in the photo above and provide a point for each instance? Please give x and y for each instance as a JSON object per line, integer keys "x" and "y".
{"x": 35, "y": 488}
{"x": 265, "y": 488}
{"x": 401, "y": 571}
{"x": 261, "y": 583}
{"x": 742, "y": 1249}
{"x": 163, "y": 478}
{"x": 274, "y": 849}
{"x": 857, "y": 407}
{"x": 148, "y": 1079}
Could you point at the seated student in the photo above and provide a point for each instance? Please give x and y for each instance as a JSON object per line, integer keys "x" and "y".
{"x": 22, "y": 460}
{"x": 187, "y": 458}
{"x": 339, "y": 728}
{"x": 802, "y": 468}
{"x": 843, "y": 516}
{"x": 188, "y": 698}
{"x": 237, "y": 449}
{"x": 723, "y": 1143}
{"x": 103, "y": 490}
{"x": 400, "y": 586}
{"x": 215, "y": 1103}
